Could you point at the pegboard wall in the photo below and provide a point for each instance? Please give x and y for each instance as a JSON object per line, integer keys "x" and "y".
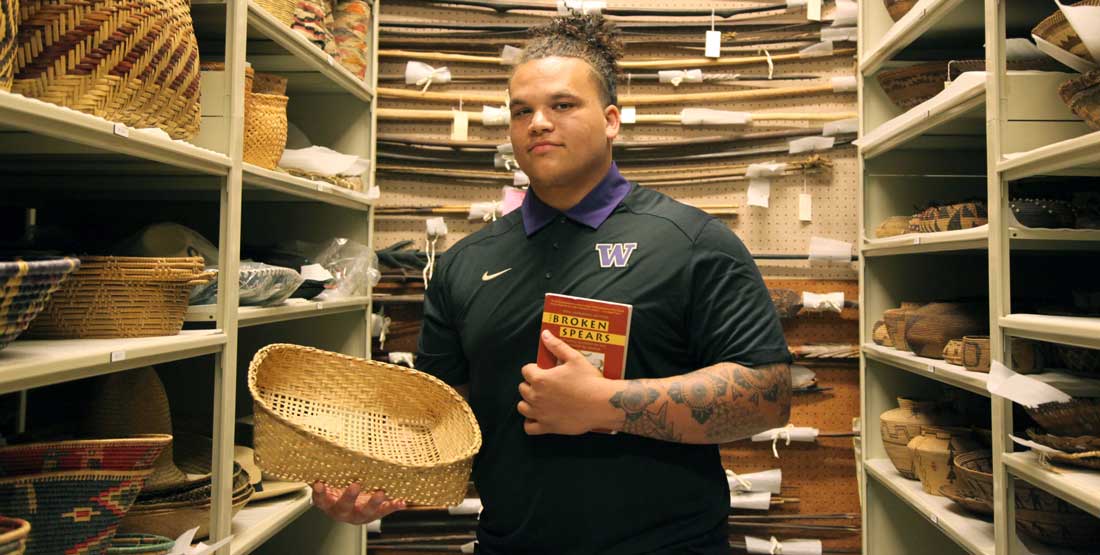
{"x": 773, "y": 230}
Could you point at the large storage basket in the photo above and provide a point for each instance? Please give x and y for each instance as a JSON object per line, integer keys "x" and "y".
{"x": 339, "y": 419}
{"x": 131, "y": 61}
{"x": 25, "y": 287}
{"x": 113, "y": 296}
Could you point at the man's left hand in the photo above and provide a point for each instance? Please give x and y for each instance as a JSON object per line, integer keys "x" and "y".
{"x": 565, "y": 399}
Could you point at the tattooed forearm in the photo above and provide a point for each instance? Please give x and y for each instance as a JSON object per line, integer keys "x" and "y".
{"x": 717, "y": 404}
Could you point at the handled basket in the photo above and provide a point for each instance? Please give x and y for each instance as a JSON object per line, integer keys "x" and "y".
{"x": 339, "y": 419}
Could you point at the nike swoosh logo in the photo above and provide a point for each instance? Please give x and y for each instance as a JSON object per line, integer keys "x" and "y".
{"x": 489, "y": 277}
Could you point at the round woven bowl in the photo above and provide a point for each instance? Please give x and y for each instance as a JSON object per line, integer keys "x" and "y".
{"x": 975, "y": 474}
{"x": 930, "y": 327}
{"x": 13, "y": 535}
{"x": 1079, "y": 417}
{"x": 1052, "y": 520}
{"x": 972, "y": 504}
{"x": 953, "y": 352}
{"x": 115, "y": 296}
{"x": 25, "y": 289}
{"x": 912, "y": 85}
{"x": 976, "y": 353}
{"x": 264, "y": 129}
{"x": 71, "y": 512}
{"x": 1078, "y": 444}
{"x": 1080, "y": 359}
{"x": 339, "y": 419}
{"x": 1040, "y": 212}
{"x": 173, "y": 519}
{"x": 1057, "y": 31}
{"x": 137, "y": 453}
{"x": 140, "y": 544}
{"x": 898, "y": 8}
{"x": 1082, "y": 95}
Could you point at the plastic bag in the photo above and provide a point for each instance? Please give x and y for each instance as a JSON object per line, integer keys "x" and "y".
{"x": 354, "y": 265}
{"x": 261, "y": 285}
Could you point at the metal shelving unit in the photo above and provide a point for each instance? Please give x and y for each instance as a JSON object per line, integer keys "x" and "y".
{"x": 240, "y": 202}
{"x": 998, "y": 127}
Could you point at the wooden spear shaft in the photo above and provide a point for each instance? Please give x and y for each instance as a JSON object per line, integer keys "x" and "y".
{"x": 405, "y": 114}
{"x": 679, "y": 63}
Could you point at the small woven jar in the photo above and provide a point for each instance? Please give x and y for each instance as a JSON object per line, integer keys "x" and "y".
{"x": 1082, "y": 95}
{"x": 975, "y": 353}
{"x": 934, "y": 453}
{"x": 265, "y": 128}
{"x": 953, "y": 352}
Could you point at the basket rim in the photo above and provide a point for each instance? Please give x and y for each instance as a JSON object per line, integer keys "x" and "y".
{"x": 53, "y": 476}
{"x": 15, "y": 533}
{"x": 136, "y": 439}
{"x": 160, "y": 543}
{"x": 44, "y": 264}
{"x": 261, "y": 355}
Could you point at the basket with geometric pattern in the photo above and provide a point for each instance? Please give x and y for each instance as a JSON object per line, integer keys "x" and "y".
{"x": 951, "y": 217}
{"x": 114, "y": 296}
{"x": 1082, "y": 95}
{"x": 122, "y": 454}
{"x": 9, "y": 26}
{"x": 25, "y": 287}
{"x": 130, "y": 61}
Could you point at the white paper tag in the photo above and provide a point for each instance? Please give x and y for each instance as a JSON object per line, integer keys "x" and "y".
{"x": 118, "y": 356}
{"x": 841, "y": 127}
{"x": 838, "y": 34}
{"x": 752, "y": 500}
{"x": 813, "y": 10}
{"x": 805, "y": 207}
{"x": 520, "y": 179}
{"x": 821, "y": 49}
{"x": 823, "y": 302}
{"x": 375, "y": 526}
{"x": 760, "y": 191}
{"x": 1022, "y": 389}
{"x": 460, "y": 125}
{"x": 468, "y": 506}
{"x": 628, "y": 114}
{"x": 844, "y": 83}
{"x": 510, "y": 55}
{"x": 795, "y": 433}
{"x": 316, "y": 272}
{"x": 400, "y": 357}
{"x": 767, "y": 480}
{"x": 713, "y": 45}
{"x": 121, "y": 130}
{"x": 830, "y": 250}
{"x": 436, "y": 227}
{"x": 374, "y": 193}
{"x": 769, "y": 169}
{"x": 492, "y": 116}
{"x": 772, "y": 546}
{"x": 846, "y": 14}
{"x": 469, "y": 547}
{"x": 1039, "y": 447}
{"x": 810, "y": 144}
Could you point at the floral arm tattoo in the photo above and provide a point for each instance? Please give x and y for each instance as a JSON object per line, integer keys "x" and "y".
{"x": 716, "y": 404}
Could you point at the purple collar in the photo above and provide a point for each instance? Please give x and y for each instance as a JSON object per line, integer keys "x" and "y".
{"x": 591, "y": 211}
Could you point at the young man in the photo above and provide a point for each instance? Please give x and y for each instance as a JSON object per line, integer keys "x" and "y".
{"x": 707, "y": 362}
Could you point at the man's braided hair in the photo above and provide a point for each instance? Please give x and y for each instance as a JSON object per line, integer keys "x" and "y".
{"x": 589, "y": 37}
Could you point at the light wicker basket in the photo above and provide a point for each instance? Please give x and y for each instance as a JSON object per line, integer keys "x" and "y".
{"x": 9, "y": 26}
{"x": 282, "y": 10}
{"x": 1082, "y": 95}
{"x": 131, "y": 61}
{"x": 264, "y": 129}
{"x": 113, "y": 296}
{"x": 339, "y": 419}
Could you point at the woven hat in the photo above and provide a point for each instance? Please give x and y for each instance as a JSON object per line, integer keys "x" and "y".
{"x": 132, "y": 403}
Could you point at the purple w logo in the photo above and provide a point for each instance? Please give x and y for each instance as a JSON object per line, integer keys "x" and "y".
{"x": 615, "y": 254}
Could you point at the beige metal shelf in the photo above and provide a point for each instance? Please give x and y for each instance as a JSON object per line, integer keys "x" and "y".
{"x": 938, "y": 370}
{"x": 923, "y": 16}
{"x": 1078, "y": 486}
{"x": 27, "y": 364}
{"x": 258, "y": 522}
{"x": 943, "y": 241}
{"x": 971, "y": 533}
{"x": 44, "y": 119}
{"x": 304, "y": 55}
{"x": 292, "y": 309}
{"x": 1076, "y": 156}
{"x": 1056, "y": 236}
{"x": 965, "y": 98}
{"x": 1074, "y": 330}
{"x": 318, "y": 191}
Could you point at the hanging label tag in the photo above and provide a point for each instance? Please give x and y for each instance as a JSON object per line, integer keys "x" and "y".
{"x": 714, "y": 44}
{"x": 760, "y": 191}
{"x": 805, "y": 207}
{"x": 813, "y": 10}
{"x": 460, "y": 127}
{"x": 121, "y": 130}
{"x": 629, "y": 114}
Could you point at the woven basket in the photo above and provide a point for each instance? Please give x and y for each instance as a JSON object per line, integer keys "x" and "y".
{"x": 898, "y": 8}
{"x": 71, "y": 512}
{"x": 1041, "y": 212}
{"x": 13, "y": 535}
{"x": 880, "y": 335}
{"x": 111, "y": 297}
{"x": 930, "y": 327}
{"x": 172, "y": 520}
{"x": 268, "y": 83}
{"x": 249, "y": 73}
{"x": 26, "y": 288}
{"x": 1082, "y": 95}
{"x": 264, "y": 129}
{"x": 976, "y": 353}
{"x": 912, "y": 85}
{"x": 951, "y": 217}
{"x": 953, "y": 352}
{"x": 282, "y": 10}
{"x": 1052, "y": 520}
{"x": 1057, "y": 31}
{"x": 9, "y": 26}
{"x": 1079, "y": 417}
{"x": 1080, "y": 359}
{"x": 1078, "y": 444}
{"x": 126, "y": 454}
{"x": 326, "y": 416}
{"x": 895, "y": 324}
{"x": 131, "y": 61}
{"x": 140, "y": 544}
{"x": 972, "y": 504}
{"x": 975, "y": 473}
{"x": 892, "y": 226}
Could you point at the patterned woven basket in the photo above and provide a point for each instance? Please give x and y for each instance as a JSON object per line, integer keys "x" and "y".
{"x": 264, "y": 129}
{"x": 898, "y": 8}
{"x": 71, "y": 512}
{"x": 1041, "y": 212}
{"x": 930, "y": 327}
{"x": 326, "y": 416}
{"x": 975, "y": 474}
{"x": 1057, "y": 31}
{"x": 114, "y": 296}
{"x": 951, "y": 217}
{"x": 976, "y": 353}
{"x": 1082, "y": 95}
{"x": 895, "y": 319}
{"x": 912, "y": 85}
{"x": 282, "y": 10}
{"x": 1080, "y": 359}
{"x": 953, "y": 352}
{"x": 892, "y": 226}
{"x": 131, "y": 61}
{"x": 1079, "y": 417}
{"x": 9, "y": 26}
{"x": 26, "y": 288}
{"x": 173, "y": 519}
{"x": 124, "y": 454}
{"x": 972, "y": 504}
{"x": 140, "y": 544}
{"x": 13, "y": 535}
{"x": 1052, "y": 520}
{"x": 1077, "y": 444}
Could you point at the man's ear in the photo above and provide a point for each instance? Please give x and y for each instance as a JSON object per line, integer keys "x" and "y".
{"x": 613, "y": 121}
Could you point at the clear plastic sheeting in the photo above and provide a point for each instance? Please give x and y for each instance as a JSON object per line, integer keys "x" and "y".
{"x": 352, "y": 264}
{"x": 260, "y": 285}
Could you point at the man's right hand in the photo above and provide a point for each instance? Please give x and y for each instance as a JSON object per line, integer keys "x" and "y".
{"x": 353, "y": 506}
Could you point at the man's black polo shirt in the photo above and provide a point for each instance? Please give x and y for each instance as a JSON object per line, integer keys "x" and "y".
{"x": 698, "y": 300}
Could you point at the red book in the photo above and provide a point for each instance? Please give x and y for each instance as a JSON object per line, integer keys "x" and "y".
{"x": 598, "y": 329}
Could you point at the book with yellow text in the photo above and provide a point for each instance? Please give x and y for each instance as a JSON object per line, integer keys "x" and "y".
{"x": 598, "y": 329}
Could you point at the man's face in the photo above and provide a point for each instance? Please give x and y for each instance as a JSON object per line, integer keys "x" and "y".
{"x": 560, "y": 128}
